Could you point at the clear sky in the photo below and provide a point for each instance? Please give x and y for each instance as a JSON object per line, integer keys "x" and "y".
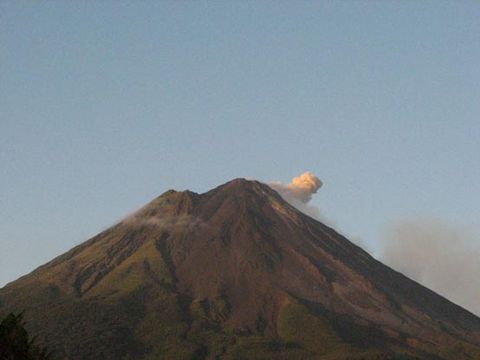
{"x": 105, "y": 105}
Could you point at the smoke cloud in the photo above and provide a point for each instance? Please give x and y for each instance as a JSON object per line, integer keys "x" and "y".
{"x": 299, "y": 192}
{"x": 438, "y": 255}
{"x": 301, "y": 188}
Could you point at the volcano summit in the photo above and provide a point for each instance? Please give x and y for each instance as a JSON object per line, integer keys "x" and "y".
{"x": 234, "y": 273}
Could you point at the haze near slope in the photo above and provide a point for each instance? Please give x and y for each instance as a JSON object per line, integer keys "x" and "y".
{"x": 439, "y": 255}
{"x": 433, "y": 252}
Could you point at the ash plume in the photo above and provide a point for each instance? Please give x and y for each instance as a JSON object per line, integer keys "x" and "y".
{"x": 439, "y": 255}
{"x": 299, "y": 192}
{"x": 301, "y": 188}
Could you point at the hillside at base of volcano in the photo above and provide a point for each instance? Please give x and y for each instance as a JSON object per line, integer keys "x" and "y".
{"x": 234, "y": 273}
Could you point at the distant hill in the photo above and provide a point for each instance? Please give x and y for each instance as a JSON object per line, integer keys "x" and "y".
{"x": 234, "y": 273}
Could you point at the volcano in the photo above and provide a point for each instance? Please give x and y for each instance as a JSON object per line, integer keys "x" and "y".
{"x": 233, "y": 273}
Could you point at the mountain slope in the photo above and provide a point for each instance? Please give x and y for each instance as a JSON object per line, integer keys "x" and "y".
{"x": 233, "y": 273}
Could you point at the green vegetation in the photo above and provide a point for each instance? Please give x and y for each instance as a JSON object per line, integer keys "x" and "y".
{"x": 297, "y": 325}
{"x": 257, "y": 347}
{"x": 15, "y": 343}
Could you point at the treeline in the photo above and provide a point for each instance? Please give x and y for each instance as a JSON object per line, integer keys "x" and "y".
{"x": 16, "y": 344}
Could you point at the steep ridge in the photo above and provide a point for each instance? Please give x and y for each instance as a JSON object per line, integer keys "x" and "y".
{"x": 235, "y": 272}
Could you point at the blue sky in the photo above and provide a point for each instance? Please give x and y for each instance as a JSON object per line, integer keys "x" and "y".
{"x": 105, "y": 105}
